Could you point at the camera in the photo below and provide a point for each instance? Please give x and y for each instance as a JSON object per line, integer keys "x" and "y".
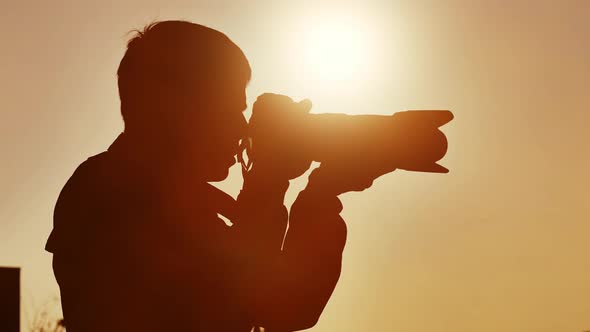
{"x": 409, "y": 140}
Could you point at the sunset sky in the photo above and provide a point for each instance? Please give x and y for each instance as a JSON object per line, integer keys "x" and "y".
{"x": 501, "y": 243}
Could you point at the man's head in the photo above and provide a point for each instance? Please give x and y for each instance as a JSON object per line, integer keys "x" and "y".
{"x": 182, "y": 89}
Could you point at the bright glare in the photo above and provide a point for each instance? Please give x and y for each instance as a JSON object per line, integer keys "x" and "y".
{"x": 334, "y": 58}
{"x": 336, "y": 51}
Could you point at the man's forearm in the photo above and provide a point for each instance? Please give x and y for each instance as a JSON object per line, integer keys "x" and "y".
{"x": 291, "y": 292}
{"x": 263, "y": 190}
{"x": 263, "y": 215}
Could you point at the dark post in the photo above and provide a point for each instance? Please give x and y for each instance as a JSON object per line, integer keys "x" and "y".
{"x": 10, "y": 299}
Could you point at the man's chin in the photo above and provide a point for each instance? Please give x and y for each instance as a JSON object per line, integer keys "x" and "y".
{"x": 219, "y": 174}
{"x": 221, "y": 171}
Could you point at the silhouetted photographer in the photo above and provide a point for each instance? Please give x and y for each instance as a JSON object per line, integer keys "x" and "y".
{"x": 137, "y": 241}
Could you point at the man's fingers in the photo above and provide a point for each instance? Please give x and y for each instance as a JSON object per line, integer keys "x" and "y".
{"x": 305, "y": 105}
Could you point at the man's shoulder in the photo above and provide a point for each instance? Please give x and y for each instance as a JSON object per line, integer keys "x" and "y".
{"x": 91, "y": 166}
{"x": 86, "y": 177}
{"x": 80, "y": 198}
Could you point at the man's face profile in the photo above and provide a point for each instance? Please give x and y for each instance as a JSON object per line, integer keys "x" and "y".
{"x": 182, "y": 88}
{"x": 216, "y": 130}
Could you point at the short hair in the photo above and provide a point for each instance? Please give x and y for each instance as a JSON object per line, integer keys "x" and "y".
{"x": 169, "y": 55}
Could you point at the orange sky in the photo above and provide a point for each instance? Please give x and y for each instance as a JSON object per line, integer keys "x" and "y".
{"x": 499, "y": 244}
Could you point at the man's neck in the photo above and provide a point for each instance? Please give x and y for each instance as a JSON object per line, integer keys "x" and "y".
{"x": 156, "y": 159}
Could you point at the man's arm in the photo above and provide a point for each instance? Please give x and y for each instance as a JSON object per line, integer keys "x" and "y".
{"x": 288, "y": 289}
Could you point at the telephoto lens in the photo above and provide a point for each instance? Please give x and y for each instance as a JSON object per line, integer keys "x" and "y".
{"x": 409, "y": 140}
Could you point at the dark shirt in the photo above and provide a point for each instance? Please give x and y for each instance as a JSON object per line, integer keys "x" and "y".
{"x": 136, "y": 249}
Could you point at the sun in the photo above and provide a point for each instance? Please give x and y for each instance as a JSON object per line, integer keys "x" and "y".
{"x": 334, "y": 51}
{"x": 333, "y": 57}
